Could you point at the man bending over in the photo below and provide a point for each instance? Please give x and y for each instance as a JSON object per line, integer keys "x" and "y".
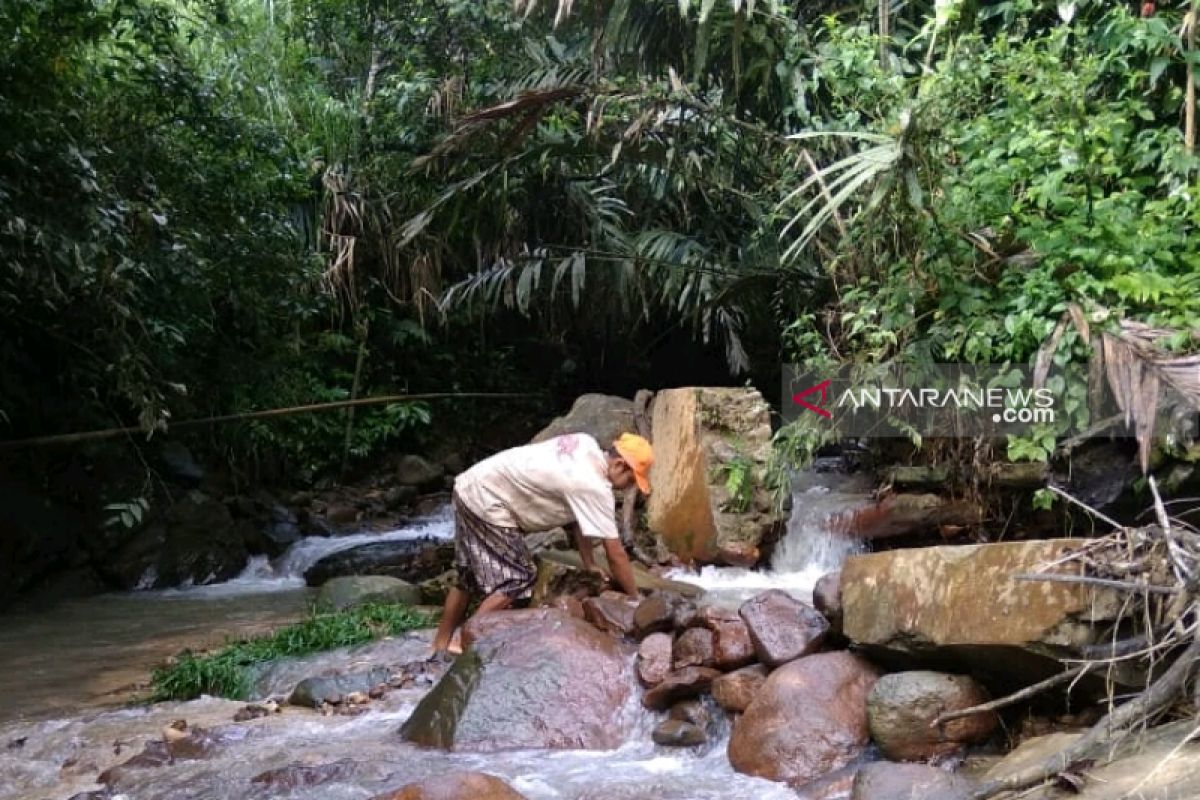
{"x": 565, "y": 481}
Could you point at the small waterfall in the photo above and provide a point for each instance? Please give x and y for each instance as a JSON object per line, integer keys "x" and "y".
{"x": 815, "y": 542}
{"x": 286, "y": 572}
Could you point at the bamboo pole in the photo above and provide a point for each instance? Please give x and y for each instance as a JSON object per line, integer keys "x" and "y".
{"x": 110, "y": 433}
{"x": 1189, "y": 111}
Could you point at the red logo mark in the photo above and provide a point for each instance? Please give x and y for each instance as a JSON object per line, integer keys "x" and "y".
{"x": 823, "y": 388}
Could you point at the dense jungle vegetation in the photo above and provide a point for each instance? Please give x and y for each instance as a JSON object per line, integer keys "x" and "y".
{"x": 216, "y": 206}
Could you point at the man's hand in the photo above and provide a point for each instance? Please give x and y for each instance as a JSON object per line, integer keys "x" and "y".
{"x": 618, "y": 562}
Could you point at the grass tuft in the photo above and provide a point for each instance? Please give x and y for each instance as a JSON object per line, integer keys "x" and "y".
{"x": 227, "y": 672}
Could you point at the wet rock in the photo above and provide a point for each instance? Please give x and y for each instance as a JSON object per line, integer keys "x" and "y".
{"x": 654, "y": 658}
{"x": 254, "y": 711}
{"x": 399, "y": 496}
{"x": 480, "y": 626}
{"x": 548, "y": 680}
{"x": 677, "y": 733}
{"x": 693, "y": 711}
{"x": 349, "y": 591}
{"x": 902, "y": 707}
{"x": 298, "y": 775}
{"x": 568, "y": 605}
{"x": 455, "y": 786}
{"x": 197, "y": 744}
{"x": 827, "y": 598}
{"x": 409, "y": 560}
{"x": 312, "y": 692}
{"x": 193, "y": 541}
{"x": 732, "y": 647}
{"x": 808, "y": 719}
{"x": 834, "y": 786}
{"x": 1159, "y": 763}
{"x": 556, "y": 579}
{"x": 611, "y": 612}
{"x": 738, "y": 554}
{"x": 886, "y": 781}
{"x": 659, "y": 612}
{"x": 602, "y": 416}
{"x": 700, "y": 435}
{"x": 736, "y": 690}
{"x": 679, "y": 685}
{"x": 1006, "y": 630}
{"x": 782, "y": 628}
{"x": 412, "y": 470}
{"x": 435, "y": 589}
{"x": 694, "y": 648}
{"x": 342, "y": 514}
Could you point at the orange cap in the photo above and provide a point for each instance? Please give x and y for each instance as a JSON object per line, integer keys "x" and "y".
{"x": 639, "y": 455}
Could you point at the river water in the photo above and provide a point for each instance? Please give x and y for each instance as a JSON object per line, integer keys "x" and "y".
{"x": 63, "y": 669}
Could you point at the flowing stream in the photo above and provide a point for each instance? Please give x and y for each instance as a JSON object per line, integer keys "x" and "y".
{"x": 60, "y": 668}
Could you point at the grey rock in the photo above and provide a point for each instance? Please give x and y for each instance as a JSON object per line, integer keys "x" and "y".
{"x": 348, "y": 591}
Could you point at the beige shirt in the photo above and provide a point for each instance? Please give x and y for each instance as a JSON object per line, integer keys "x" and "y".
{"x": 542, "y": 486}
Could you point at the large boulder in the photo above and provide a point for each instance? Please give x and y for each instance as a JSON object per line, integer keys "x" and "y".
{"x": 455, "y": 786}
{"x": 963, "y": 605}
{"x": 412, "y": 470}
{"x": 781, "y": 627}
{"x": 710, "y": 501}
{"x": 808, "y": 719}
{"x": 413, "y": 560}
{"x": 194, "y": 541}
{"x": 603, "y": 416}
{"x": 903, "y": 706}
{"x": 886, "y": 781}
{"x": 545, "y": 680}
{"x": 349, "y": 591}
{"x": 1158, "y": 764}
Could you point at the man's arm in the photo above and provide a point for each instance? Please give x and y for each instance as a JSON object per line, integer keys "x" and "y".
{"x": 618, "y": 564}
{"x": 583, "y": 545}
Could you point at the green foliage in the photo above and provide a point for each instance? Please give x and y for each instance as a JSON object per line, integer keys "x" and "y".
{"x": 228, "y": 671}
{"x": 739, "y": 483}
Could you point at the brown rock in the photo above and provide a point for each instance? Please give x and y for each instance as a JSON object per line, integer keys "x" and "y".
{"x": 455, "y": 786}
{"x": 693, "y": 711}
{"x": 611, "y": 612}
{"x": 654, "y": 658}
{"x": 738, "y": 554}
{"x": 555, "y": 578}
{"x": 482, "y": 625}
{"x": 808, "y": 719}
{"x": 679, "y": 685}
{"x": 732, "y": 647}
{"x": 886, "y": 781}
{"x": 541, "y": 679}
{"x": 979, "y": 612}
{"x": 834, "y": 786}
{"x": 902, "y": 707}
{"x": 699, "y": 434}
{"x": 298, "y": 775}
{"x": 568, "y": 605}
{"x": 782, "y": 628}
{"x": 735, "y": 691}
{"x": 677, "y": 733}
{"x": 657, "y": 613}
{"x": 827, "y": 598}
{"x": 694, "y": 648}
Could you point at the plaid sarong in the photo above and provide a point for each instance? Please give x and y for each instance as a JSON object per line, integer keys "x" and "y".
{"x": 490, "y": 558}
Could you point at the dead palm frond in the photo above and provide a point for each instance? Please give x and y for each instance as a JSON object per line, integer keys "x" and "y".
{"x": 1136, "y": 365}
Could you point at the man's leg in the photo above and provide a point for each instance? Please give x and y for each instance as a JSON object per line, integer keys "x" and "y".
{"x": 453, "y": 613}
